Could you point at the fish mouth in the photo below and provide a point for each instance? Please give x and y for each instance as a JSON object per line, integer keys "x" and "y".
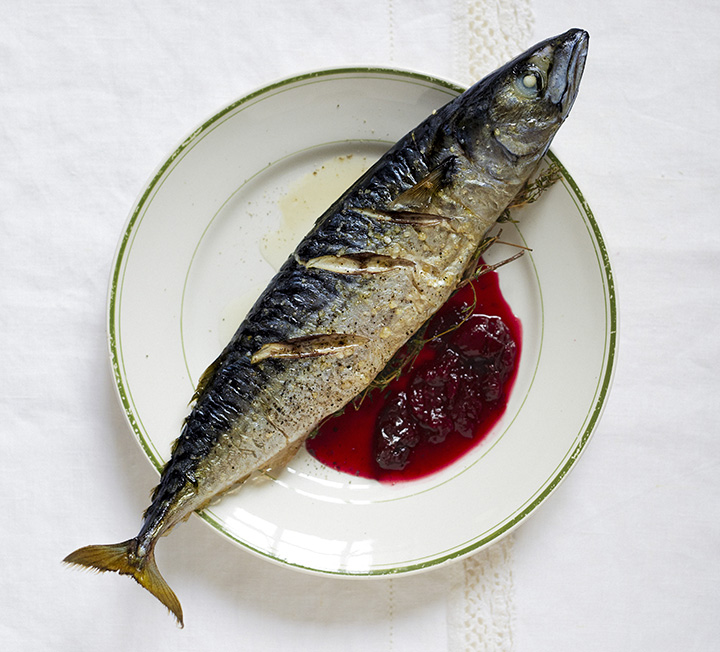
{"x": 567, "y": 68}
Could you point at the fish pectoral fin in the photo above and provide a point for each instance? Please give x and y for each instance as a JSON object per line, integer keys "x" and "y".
{"x": 309, "y": 346}
{"x": 123, "y": 558}
{"x": 417, "y": 197}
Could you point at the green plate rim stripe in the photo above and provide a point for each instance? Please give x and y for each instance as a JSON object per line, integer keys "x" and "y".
{"x": 115, "y": 346}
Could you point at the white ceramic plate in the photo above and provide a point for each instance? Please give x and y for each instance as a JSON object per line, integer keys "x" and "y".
{"x": 201, "y": 243}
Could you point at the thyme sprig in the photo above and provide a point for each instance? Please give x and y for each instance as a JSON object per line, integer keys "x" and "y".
{"x": 532, "y": 191}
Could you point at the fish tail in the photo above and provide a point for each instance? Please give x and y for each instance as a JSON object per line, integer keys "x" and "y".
{"x": 123, "y": 558}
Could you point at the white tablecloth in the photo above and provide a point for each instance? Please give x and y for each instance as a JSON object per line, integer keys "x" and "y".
{"x": 624, "y": 556}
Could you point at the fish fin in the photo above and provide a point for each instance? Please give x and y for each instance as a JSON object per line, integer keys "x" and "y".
{"x": 205, "y": 379}
{"x": 419, "y": 195}
{"x": 123, "y": 558}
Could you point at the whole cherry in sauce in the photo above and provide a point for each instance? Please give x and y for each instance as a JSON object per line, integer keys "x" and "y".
{"x": 443, "y": 405}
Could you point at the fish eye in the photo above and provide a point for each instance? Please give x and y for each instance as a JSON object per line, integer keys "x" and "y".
{"x": 529, "y": 82}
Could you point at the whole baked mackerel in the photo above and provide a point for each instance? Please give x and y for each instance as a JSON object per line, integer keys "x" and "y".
{"x": 377, "y": 264}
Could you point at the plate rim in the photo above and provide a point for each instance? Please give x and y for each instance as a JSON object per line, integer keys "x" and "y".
{"x": 605, "y": 377}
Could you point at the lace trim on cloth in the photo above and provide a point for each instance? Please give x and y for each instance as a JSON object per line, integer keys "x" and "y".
{"x": 490, "y": 33}
{"x": 481, "y": 609}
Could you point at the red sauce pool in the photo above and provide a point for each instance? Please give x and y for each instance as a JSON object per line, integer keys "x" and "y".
{"x": 443, "y": 405}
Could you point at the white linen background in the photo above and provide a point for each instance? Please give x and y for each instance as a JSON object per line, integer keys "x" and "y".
{"x": 94, "y": 95}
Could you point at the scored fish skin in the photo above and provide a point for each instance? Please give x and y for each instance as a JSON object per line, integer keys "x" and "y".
{"x": 377, "y": 264}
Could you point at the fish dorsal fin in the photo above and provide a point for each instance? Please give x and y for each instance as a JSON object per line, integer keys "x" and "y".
{"x": 418, "y": 197}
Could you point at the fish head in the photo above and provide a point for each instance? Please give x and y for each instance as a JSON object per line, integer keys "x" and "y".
{"x": 521, "y": 106}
